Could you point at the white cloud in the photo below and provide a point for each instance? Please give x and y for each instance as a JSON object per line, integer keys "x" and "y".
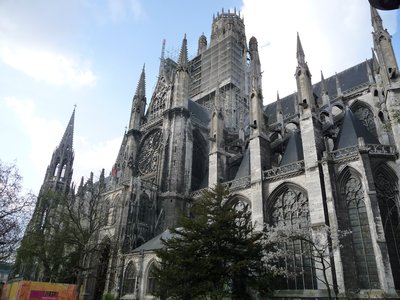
{"x": 44, "y": 65}
{"x": 44, "y": 136}
{"x": 335, "y": 35}
{"x": 93, "y": 157}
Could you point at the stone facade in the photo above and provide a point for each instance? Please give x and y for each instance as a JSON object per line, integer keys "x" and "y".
{"x": 326, "y": 155}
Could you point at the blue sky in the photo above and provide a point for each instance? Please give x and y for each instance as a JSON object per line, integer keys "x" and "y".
{"x": 55, "y": 54}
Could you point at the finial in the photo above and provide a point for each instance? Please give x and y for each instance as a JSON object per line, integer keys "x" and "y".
{"x": 74, "y": 107}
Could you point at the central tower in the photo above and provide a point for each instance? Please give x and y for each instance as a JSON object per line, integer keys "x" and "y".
{"x": 221, "y": 69}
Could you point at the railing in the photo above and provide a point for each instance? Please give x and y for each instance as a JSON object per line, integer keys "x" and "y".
{"x": 292, "y": 169}
{"x": 233, "y": 185}
{"x": 380, "y": 149}
{"x": 344, "y": 153}
{"x": 372, "y": 149}
{"x": 240, "y": 183}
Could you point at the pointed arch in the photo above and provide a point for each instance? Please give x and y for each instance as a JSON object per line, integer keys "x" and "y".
{"x": 150, "y": 278}
{"x": 276, "y": 208}
{"x": 64, "y": 167}
{"x": 144, "y": 208}
{"x": 288, "y": 205}
{"x": 387, "y": 191}
{"x": 57, "y": 170}
{"x": 199, "y": 161}
{"x": 102, "y": 262}
{"x": 359, "y": 258}
{"x": 364, "y": 113}
{"x": 130, "y": 279}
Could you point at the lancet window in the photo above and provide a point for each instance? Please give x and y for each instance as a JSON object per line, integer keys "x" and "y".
{"x": 290, "y": 208}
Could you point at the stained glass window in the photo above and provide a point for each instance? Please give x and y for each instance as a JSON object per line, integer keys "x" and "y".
{"x": 291, "y": 208}
{"x": 362, "y": 252}
{"x": 129, "y": 279}
{"x": 387, "y": 191}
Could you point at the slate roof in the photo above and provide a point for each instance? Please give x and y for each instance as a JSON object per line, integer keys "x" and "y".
{"x": 244, "y": 168}
{"x": 294, "y": 149}
{"x": 348, "y": 79}
{"x": 199, "y": 112}
{"x": 352, "y": 128}
{"x": 155, "y": 243}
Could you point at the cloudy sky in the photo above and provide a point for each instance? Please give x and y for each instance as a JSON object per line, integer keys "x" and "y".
{"x": 55, "y": 54}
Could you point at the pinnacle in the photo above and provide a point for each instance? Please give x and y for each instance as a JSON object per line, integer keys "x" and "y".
{"x": 183, "y": 56}
{"x": 376, "y": 20}
{"x": 324, "y": 88}
{"x": 300, "y": 52}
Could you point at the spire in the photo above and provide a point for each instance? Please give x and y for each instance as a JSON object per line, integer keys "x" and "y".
{"x": 376, "y": 20}
{"x": 279, "y": 113}
{"x": 369, "y": 71}
{"x": 324, "y": 91}
{"x": 183, "y": 55}
{"x": 162, "y": 59}
{"x": 300, "y": 52}
{"x": 138, "y": 103}
{"x": 324, "y": 88}
{"x": 141, "y": 87}
{"x": 375, "y": 63}
{"x": 338, "y": 88}
{"x": 68, "y": 136}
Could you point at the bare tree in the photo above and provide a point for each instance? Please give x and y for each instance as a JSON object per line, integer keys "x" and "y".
{"x": 322, "y": 244}
{"x": 14, "y": 210}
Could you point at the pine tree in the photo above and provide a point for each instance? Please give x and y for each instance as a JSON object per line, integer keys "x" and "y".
{"x": 215, "y": 252}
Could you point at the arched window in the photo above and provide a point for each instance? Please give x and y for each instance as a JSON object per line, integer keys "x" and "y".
{"x": 129, "y": 284}
{"x": 151, "y": 280}
{"x": 358, "y": 253}
{"x": 289, "y": 206}
{"x": 57, "y": 169}
{"x": 144, "y": 208}
{"x": 63, "y": 172}
{"x": 387, "y": 193}
{"x": 199, "y": 161}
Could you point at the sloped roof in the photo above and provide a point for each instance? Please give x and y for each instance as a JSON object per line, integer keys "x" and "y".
{"x": 199, "y": 112}
{"x": 155, "y": 243}
{"x": 352, "y": 128}
{"x": 294, "y": 149}
{"x": 348, "y": 79}
{"x": 244, "y": 168}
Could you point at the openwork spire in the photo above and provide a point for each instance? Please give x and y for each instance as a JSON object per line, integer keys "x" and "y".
{"x": 68, "y": 136}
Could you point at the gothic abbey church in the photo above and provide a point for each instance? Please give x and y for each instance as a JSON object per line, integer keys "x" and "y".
{"x": 325, "y": 155}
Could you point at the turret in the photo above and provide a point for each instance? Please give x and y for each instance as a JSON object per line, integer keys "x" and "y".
{"x": 202, "y": 44}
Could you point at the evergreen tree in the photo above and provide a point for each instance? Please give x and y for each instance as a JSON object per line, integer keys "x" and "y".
{"x": 215, "y": 252}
